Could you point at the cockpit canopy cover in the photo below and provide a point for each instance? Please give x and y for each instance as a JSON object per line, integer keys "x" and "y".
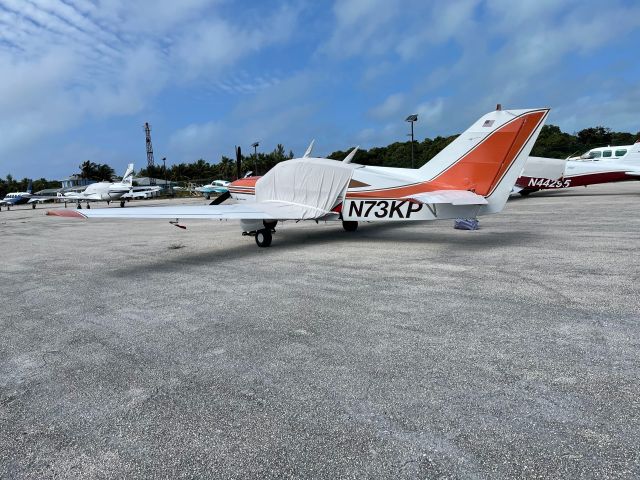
{"x": 312, "y": 186}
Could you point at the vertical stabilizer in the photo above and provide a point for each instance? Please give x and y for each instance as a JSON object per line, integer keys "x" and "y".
{"x": 127, "y": 178}
{"x": 487, "y": 158}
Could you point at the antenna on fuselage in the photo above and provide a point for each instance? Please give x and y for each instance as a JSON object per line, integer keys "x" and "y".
{"x": 309, "y": 149}
{"x": 352, "y": 154}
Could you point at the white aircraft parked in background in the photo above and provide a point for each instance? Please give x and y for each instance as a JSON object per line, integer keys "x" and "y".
{"x": 108, "y": 191}
{"x": 472, "y": 176}
{"x": 598, "y": 165}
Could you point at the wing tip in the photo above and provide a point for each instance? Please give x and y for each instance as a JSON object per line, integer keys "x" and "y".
{"x": 65, "y": 212}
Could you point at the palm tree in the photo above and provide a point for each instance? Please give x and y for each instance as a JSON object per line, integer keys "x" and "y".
{"x": 104, "y": 172}
{"x": 88, "y": 169}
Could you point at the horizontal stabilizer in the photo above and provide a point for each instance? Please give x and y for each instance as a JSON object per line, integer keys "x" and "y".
{"x": 451, "y": 197}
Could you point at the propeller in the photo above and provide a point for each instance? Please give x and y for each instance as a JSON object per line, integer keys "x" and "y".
{"x": 221, "y": 198}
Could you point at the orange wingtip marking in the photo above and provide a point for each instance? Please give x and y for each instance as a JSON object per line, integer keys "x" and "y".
{"x": 65, "y": 212}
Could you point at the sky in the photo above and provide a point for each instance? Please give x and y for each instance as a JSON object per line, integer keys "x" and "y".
{"x": 79, "y": 78}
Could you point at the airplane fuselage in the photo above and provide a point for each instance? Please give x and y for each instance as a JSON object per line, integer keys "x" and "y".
{"x": 17, "y": 198}
{"x": 102, "y": 191}
{"x": 554, "y": 174}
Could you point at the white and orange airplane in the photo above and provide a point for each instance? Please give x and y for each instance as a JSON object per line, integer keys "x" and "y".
{"x": 472, "y": 176}
{"x": 598, "y": 165}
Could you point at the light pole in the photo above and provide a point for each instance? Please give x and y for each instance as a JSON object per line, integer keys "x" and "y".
{"x": 164, "y": 168}
{"x": 255, "y": 156}
{"x": 411, "y": 119}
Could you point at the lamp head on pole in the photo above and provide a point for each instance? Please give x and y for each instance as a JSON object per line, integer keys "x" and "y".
{"x": 412, "y": 118}
{"x": 255, "y": 144}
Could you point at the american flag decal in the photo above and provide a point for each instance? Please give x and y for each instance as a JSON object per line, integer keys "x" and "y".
{"x": 488, "y": 123}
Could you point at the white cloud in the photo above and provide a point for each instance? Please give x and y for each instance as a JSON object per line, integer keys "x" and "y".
{"x": 72, "y": 60}
{"x": 360, "y": 26}
{"x": 393, "y": 105}
{"x": 283, "y": 113}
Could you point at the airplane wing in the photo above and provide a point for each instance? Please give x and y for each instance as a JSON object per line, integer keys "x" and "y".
{"x": 452, "y": 197}
{"x": 82, "y": 196}
{"x": 138, "y": 192}
{"x": 253, "y": 211}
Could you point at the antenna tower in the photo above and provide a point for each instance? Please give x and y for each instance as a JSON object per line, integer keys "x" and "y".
{"x": 150, "y": 161}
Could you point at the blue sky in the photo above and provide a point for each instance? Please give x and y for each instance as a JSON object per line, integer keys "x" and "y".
{"x": 80, "y": 77}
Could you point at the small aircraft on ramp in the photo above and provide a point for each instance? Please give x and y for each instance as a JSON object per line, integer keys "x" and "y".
{"x": 598, "y": 165}
{"x": 472, "y": 176}
{"x": 216, "y": 187}
{"x": 110, "y": 191}
{"x": 17, "y": 198}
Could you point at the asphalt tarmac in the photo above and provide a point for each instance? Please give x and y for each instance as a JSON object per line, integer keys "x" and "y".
{"x": 139, "y": 350}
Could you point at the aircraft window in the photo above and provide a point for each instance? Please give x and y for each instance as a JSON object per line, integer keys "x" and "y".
{"x": 621, "y": 153}
{"x": 606, "y": 153}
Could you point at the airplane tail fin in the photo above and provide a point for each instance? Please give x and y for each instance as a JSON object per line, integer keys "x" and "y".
{"x": 488, "y": 157}
{"x": 30, "y": 187}
{"x": 127, "y": 178}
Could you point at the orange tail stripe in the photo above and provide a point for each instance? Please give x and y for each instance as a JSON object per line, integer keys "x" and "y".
{"x": 483, "y": 167}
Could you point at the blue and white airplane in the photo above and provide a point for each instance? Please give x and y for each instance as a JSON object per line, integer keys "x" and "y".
{"x": 17, "y": 198}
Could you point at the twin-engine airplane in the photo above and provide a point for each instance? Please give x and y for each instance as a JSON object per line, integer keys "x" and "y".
{"x": 598, "y": 165}
{"x": 111, "y": 191}
{"x": 17, "y": 198}
{"x": 472, "y": 176}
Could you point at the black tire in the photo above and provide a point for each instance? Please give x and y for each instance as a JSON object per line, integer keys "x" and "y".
{"x": 349, "y": 226}
{"x": 88, "y": 205}
{"x": 263, "y": 237}
{"x": 208, "y": 197}
{"x": 121, "y": 203}
{"x": 33, "y": 205}
{"x": 79, "y": 207}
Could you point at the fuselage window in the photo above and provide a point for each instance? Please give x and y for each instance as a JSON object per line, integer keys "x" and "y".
{"x": 621, "y": 153}
{"x": 606, "y": 153}
{"x": 595, "y": 154}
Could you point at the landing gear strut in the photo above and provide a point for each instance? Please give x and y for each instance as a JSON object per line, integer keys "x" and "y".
{"x": 349, "y": 226}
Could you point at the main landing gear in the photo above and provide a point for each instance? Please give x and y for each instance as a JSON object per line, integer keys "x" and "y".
{"x": 349, "y": 226}
{"x": 264, "y": 237}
